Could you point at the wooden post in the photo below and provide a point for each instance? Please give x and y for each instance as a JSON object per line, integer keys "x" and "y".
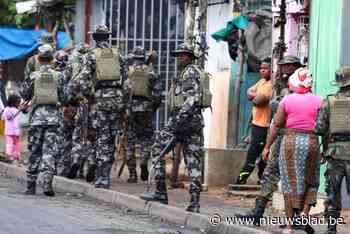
{"x": 237, "y": 91}
{"x": 190, "y": 14}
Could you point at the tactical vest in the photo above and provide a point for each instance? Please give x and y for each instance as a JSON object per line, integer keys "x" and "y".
{"x": 205, "y": 95}
{"x": 339, "y": 121}
{"x": 107, "y": 64}
{"x": 140, "y": 77}
{"x": 45, "y": 89}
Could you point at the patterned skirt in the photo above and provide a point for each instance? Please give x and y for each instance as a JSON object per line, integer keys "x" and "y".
{"x": 299, "y": 164}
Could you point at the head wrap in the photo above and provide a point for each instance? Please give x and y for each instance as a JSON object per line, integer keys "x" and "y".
{"x": 300, "y": 81}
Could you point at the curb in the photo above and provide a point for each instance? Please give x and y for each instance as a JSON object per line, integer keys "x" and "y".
{"x": 169, "y": 213}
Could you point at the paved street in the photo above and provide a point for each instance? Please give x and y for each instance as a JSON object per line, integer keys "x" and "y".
{"x": 71, "y": 214}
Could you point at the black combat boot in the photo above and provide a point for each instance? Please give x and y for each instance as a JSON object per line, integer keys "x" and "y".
{"x": 103, "y": 179}
{"x": 160, "y": 195}
{"x": 144, "y": 172}
{"x": 257, "y": 213}
{"x": 73, "y": 171}
{"x": 242, "y": 178}
{"x": 31, "y": 188}
{"x": 47, "y": 185}
{"x": 98, "y": 177}
{"x": 332, "y": 227}
{"x": 194, "y": 204}
{"x": 132, "y": 175}
{"x": 90, "y": 175}
{"x": 81, "y": 170}
{"x": 47, "y": 189}
{"x": 65, "y": 172}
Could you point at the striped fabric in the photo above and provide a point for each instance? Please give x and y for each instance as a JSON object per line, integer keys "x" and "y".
{"x": 299, "y": 165}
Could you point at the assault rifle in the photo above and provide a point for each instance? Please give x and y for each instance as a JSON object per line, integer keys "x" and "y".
{"x": 161, "y": 156}
{"x": 84, "y": 111}
{"x": 121, "y": 142}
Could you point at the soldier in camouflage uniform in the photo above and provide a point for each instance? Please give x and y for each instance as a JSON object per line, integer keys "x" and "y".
{"x": 80, "y": 95}
{"x": 106, "y": 68}
{"x": 145, "y": 98}
{"x": 271, "y": 175}
{"x": 334, "y": 127}
{"x": 66, "y": 128}
{"x": 185, "y": 125}
{"x": 45, "y": 89}
{"x": 33, "y": 63}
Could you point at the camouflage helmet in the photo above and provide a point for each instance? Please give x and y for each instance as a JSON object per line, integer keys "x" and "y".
{"x": 101, "y": 29}
{"x": 342, "y": 77}
{"x": 184, "y": 48}
{"x": 45, "y": 38}
{"x": 289, "y": 59}
{"x": 138, "y": 52}
{"x": 45, "y": 51}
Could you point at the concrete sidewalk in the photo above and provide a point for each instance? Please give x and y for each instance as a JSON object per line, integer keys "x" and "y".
{"x": 215, "y": 201}
{"x": 167, "y": 212}
{"x": 212, "y": 202}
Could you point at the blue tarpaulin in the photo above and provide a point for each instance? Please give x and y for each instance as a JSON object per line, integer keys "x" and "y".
{"x": 17, "y": 43}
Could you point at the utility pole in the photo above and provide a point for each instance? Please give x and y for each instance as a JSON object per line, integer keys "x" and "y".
{"x": 190, "y": 16}
{"x": 239, "y": 78}
{"x": 280, "y": 46}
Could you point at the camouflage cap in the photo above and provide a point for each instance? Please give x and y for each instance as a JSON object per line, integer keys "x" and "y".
{"x": 342, "y": 77}
{"x": 100, "y": 29}
{"x": 184, "y": 48}
{"x": 289, "y": 59}
{"x": 138, "y": 52}
{"x": 45, "y": 51}
{"x": 45, "y": 38}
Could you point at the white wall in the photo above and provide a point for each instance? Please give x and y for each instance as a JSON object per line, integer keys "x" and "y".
{"x": 218, "y": 65}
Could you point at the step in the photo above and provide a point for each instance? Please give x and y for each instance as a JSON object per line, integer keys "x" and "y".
{"x": 244, "y": 187}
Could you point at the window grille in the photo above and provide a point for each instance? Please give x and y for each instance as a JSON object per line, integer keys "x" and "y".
{"x": 154, "y": 24}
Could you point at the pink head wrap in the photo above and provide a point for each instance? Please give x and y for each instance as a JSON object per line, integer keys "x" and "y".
{"x": 300, "y": 81}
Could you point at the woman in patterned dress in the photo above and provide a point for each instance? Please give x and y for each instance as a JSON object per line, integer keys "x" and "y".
{"x": 299, "y": 162}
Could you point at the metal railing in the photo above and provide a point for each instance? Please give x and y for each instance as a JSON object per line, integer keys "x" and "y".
{"x": 154, "y": 24}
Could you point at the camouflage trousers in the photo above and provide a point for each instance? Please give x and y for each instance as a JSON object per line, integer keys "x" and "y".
{"x": 43, "y": 152}
{"x": 65, "y": 134}
{"x": 107, "y": 122}
{"x": 271, "y": 174}
{"x": 139, "y": 132}
{"x": 191, "y": 137}
{"x": 83, "y": 147}
{"x": 336, "y": 171}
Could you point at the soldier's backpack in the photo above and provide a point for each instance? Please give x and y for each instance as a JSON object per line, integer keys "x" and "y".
{"x": 206, "y": 95}
{"x": 140, "y": 77}
{"x": 339, "y": 121}
{"x": 45, "y": 88}
{"x": 107, "y": 64}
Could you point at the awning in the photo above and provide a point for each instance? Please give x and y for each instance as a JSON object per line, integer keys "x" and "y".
{"x": 240, "y": 22}
{"x": 17, "y": 43}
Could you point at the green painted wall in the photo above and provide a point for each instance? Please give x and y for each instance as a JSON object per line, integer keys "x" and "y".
{"x": 325, "y": 47}
{"x": 325, "y": 43}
